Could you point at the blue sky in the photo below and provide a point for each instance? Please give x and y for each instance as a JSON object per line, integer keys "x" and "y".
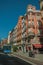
{"x": 10, "y": 10}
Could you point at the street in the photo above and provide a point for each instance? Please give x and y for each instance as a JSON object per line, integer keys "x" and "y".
{"x": 10, "y": 60}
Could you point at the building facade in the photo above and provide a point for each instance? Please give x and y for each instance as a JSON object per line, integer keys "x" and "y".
{"x": 4, "y": 42}
{"x": 28, "y": 32}
{"x": 9, "y": 36}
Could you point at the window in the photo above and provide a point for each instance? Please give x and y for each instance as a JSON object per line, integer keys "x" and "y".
{"x": 39, "y": 23}
{"x": 31, "y": 24}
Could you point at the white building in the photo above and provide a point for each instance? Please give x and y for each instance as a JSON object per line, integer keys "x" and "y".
{"x": 9, "y": 37}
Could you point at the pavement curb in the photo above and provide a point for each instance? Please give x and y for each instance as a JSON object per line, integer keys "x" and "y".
{"x": 23, "y": 59}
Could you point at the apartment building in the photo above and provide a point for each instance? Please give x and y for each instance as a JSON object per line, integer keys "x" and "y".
{"x": 28, "y": 33}
{"x": 19, "y": 32}
{"x": 9, "y": 36}
{"x": 4, "y": 41}
{"x": 13, "y": 36}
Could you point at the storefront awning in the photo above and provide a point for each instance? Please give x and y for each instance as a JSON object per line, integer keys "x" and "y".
{"x": 38, "y": 45}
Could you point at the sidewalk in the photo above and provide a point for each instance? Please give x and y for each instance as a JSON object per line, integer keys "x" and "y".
{"x": 38, "y": 60}
{"x": 37, "y": 56}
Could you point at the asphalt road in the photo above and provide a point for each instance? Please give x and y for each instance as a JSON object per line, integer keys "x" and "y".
{"x": 10, "y": 60}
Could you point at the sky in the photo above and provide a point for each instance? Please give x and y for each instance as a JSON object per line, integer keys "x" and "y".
{"x": 10, "y": 10}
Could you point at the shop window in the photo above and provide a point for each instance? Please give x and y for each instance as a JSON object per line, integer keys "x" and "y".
{"x": 41, "y": 40}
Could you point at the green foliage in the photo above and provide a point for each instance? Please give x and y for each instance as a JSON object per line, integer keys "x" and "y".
{"x": 15, "y": 48}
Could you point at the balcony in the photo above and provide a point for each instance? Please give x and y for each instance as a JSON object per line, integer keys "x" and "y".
{"x": 23, "y": 30}
{"x": 30, "y": 17}
{"x": 23, "y": 25}
{"x": 31, "y": 35}
{"x": 30, "y": 10}
{"x": 38, "y": 17}
{"x": 23, "y": 21}
{"x": 23, "y": 36}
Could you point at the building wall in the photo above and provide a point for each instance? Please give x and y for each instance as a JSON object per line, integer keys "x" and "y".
{"x": 4, "y": 41}
{"x": 19, "y": 30}
{"x": 35, "y": 25}
{"x": 29, "y": 29}
{"x": 9, "y": 35}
